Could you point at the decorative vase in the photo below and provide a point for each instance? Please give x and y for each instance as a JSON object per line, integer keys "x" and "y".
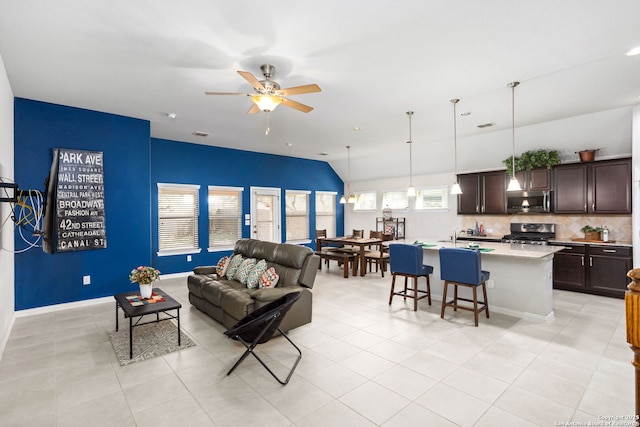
{"x": 145, "y": 290}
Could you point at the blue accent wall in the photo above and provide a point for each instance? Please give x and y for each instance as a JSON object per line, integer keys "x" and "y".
{"x": 133, "y": 165}
{"x": 184, "y": 163}
{"x": 44, "y": 279}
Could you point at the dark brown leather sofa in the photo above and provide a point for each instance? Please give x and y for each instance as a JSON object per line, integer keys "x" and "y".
{"x": 228, "y": 301}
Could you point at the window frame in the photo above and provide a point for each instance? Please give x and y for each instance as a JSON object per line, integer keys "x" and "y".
{"x": 334, "y": 197}
{"x": 395, "y": 208}
{"x": 213, "y": 188}
{"x": 359, "y": 194}
{"x": 444, "y": 189}
{"x": 194, "y": 190}
{"x": 307, "y": 216}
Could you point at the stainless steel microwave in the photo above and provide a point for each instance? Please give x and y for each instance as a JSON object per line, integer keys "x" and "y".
{"x": 529, "y": 202}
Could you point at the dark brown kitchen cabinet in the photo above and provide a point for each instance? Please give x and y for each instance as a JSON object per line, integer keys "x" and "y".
{"x": 607, "y": 270}
{"x": 538, "y": 179}
{"x": 483, "y": 193}
{"x": 568, "y": 268}
{"x": 602, "y": 187}
{"x": 594, "y": 269}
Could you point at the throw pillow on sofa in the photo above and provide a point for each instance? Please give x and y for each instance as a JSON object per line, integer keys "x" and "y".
{"x": 234, "y": 264}
{"x": 254, "y": 275}
{"x": 223, "y": 264}
{"x": 242, "y": 275}
{"x": 269, "y": 278}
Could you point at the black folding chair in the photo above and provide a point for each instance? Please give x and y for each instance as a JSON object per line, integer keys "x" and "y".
{"x": 258, "y": 328}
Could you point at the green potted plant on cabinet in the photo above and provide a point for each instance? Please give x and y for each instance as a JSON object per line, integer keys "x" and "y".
{"x": 533, "y": 159}
{"x": 591, "y": 233}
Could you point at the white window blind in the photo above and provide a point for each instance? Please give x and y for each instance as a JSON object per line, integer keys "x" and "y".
{"x": 225, "y": 216}
{"x": 365, "y": 201}
{"x": 297, "y": 215}
{"x": 326, "y": 212}
{"x": 177, "y": 217}
{"x": 395, "y": 199}
{"x": 432, "y": 198}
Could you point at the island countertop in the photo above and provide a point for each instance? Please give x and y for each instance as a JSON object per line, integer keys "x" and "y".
{"x": 516, "y": 250}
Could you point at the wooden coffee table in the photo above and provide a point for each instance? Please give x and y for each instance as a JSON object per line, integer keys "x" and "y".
{"x": 132, "y": 310}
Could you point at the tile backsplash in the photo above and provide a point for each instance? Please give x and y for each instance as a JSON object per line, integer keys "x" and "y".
{"x": 567, "y": 226}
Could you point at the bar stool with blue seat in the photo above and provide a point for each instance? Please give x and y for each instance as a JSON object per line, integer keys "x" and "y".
{"x": 406, "y": 260}
{"x": 463, "y": 267}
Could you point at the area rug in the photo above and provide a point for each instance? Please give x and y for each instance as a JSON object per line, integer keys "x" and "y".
{"x": 151, "y": 340}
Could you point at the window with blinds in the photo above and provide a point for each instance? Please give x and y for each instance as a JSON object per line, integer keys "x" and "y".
{"x": 365, "y": 201}
{"x": 297, "y": 215}
{"x": 177, "y": 218}
{"x": 432, "y": 198}
{"x": 326, "y": 212}
{"x": 225, "y": 216}
{"x": 395, "y": 199}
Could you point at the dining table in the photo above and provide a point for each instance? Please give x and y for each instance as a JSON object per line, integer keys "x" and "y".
{"x": 358, "y": 246}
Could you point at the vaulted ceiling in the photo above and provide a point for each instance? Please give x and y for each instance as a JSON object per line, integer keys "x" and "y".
{"x": 374, "y": 60}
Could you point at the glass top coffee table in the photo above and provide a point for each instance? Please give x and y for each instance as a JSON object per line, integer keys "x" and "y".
{"x": 133, "y": 306}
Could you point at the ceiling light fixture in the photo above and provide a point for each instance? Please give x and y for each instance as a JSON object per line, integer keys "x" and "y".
{"x": 514, "y": 185}
{"x": 266, "y": 103}
{"x": 455, "y": 187}
{"x": 349, "y": 198}
{"x": 411, "y": 191}
{"x": 633, "y": 52}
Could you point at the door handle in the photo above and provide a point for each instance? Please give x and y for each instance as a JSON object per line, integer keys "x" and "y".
{"x": 590, "y": 261}
{"x": 611, "y": 251}
{"x": 582, "y": 260}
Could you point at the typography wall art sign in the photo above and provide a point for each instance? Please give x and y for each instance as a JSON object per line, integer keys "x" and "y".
{"x": 80, "y": 201}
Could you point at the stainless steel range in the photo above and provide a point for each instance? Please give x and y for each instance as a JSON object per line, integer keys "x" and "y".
{"x": 530, "y": 233}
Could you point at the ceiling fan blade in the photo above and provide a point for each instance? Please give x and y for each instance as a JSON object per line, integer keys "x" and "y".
{"x": 228, "y": 93}
{"x": 299, "y": 90}
{"x": 254, "y": 109}
{"x": 296, "y": 105}
{"x": 252, "y": 80}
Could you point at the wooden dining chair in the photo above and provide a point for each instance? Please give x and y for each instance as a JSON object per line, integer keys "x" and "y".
{"x": 378, "y": 253}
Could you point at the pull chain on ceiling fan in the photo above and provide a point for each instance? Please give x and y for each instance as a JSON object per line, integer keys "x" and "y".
{"x": 268, "y": 94}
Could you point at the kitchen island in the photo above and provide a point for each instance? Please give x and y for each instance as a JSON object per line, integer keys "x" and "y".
{"x": 521, "y": 281}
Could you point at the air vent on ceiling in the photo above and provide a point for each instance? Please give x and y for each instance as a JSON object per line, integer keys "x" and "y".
{"x": 200, "y": 133}
{"x": 485, "y": 125}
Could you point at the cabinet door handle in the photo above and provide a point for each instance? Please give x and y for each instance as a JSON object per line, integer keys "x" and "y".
{"x": 611, "y": 251}
{"x": 582, "y": 260}
{"x": 590, "y": 261}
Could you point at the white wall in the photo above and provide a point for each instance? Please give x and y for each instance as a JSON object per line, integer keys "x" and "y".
{"x": 610, "y": 131}
{"x": 7, "y": 278}
{"x": 419, "y": 224}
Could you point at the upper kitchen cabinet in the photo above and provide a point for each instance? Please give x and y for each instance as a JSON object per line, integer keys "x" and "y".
{"x": 483, "y": 193}
{"x": 602, "y": 187}
{"x": 538, "y": 179}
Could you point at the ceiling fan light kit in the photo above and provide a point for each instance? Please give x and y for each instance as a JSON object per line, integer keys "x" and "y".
{"x": 268, "y": 94}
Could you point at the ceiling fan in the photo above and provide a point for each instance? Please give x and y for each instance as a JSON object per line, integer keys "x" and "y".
{"x": 268, "y": 94}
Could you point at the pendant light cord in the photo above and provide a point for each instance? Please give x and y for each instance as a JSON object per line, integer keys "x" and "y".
{"x": 513, "y": 128}
{"x": 455, "y": 139}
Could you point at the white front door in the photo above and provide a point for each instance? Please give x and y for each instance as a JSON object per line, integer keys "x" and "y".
{"x": 265, "y": 214}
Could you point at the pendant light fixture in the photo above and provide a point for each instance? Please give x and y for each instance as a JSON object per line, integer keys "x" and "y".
{"x": 411, "y": 191}
{"x": 348, "y": 198}
{"x": 514, "y": 185}
{"x": 455, "y": 187}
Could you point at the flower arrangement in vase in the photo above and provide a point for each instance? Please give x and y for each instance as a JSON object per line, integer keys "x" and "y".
{"x": 144, "y": 276}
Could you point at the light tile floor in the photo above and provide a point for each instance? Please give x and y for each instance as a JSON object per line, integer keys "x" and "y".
{"x": 364, "y": 363}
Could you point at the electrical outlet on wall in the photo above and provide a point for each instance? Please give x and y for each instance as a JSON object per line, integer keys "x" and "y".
{"x": 86, "y": 280}
{"x": 188, "y": 258}
{"x": 490, "y": 284}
